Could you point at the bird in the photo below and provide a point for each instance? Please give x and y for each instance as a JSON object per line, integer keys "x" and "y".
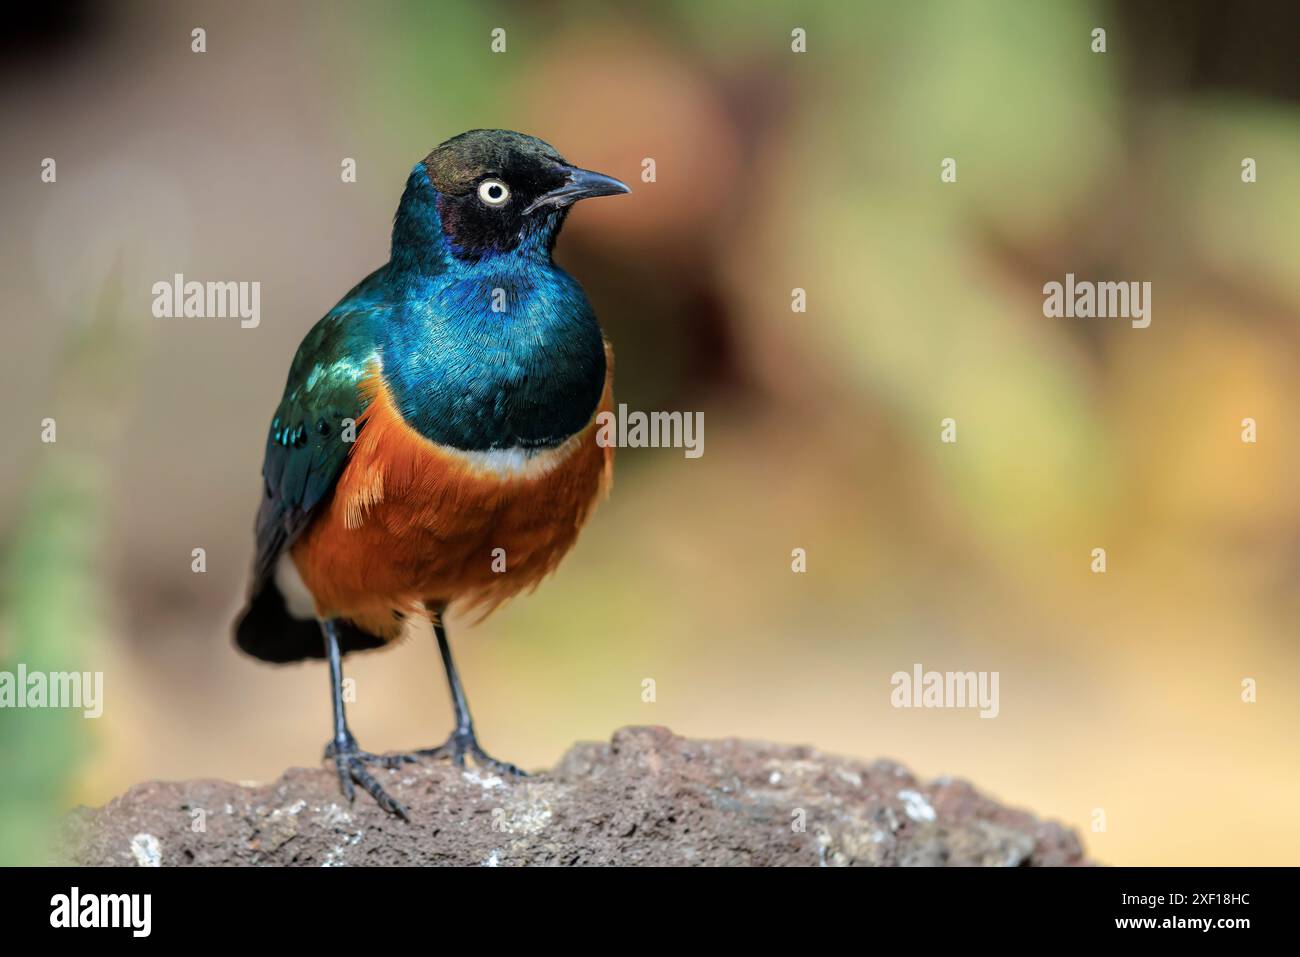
{"x": 436, "y": 445}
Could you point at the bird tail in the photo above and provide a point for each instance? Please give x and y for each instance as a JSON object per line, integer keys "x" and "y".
{"x": 266, "y": 629}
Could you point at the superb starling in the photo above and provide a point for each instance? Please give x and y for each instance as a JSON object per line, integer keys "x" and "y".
{"x": 436, "y": 441}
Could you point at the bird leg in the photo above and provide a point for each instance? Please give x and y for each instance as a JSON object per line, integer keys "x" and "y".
{"x": 462, "y": 741}
{"x": 349, "y": 760}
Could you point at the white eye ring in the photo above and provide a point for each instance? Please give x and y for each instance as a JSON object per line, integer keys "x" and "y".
{"x": 493, "y": 192}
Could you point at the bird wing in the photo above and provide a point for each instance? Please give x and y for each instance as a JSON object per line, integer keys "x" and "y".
{"x": 315, "y": 424}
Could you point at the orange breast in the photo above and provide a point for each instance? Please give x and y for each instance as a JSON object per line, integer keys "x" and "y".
{"x": 414, "y": 523}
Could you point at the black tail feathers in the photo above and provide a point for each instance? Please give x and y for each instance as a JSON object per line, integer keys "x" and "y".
{"x": 267, "y": 630}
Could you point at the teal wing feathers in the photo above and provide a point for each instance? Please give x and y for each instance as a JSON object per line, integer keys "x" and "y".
{"x": 314, "y": 425}
{"x": 310, "y": 437}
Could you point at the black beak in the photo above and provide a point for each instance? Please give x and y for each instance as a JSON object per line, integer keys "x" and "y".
{"x": 578, "y": 184}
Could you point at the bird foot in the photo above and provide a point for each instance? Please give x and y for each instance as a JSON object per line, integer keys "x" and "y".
{"x": 462, "y": 743}
{"x": 350, "y": 763}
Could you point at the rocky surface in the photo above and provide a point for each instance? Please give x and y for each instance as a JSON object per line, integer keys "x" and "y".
{"x": 646, "y": 797}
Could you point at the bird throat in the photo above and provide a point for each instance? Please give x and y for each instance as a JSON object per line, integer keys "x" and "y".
{"x": 500, "y": 354}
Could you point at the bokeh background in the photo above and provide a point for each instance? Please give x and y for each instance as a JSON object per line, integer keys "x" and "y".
{"x": 1119, "y": 692}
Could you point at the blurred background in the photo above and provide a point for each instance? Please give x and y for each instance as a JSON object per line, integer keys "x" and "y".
{"x": 1120, "y": 692}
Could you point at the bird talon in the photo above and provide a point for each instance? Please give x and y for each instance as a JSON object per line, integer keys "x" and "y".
{"x": 391, "y": 761}
{"x": 345, "y": 785}
{"x": 462, "y": 743}
{"x": 350, "y": 763}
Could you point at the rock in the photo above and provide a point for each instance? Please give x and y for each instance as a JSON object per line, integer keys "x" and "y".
{"x": 646, "y": 798}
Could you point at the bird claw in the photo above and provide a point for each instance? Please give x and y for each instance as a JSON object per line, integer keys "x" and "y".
{"x": 369, "y": 757}
{"x": 462, "y": 743}
{"x": 350, "y": 763}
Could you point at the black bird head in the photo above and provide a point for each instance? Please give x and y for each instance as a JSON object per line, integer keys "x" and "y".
{"x": 498, "y": 191}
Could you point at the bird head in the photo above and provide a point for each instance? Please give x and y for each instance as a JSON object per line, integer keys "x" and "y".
{"x": 495, "y": 191}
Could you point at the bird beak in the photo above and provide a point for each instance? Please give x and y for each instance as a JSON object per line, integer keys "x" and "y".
{"x": 578, "y": 184}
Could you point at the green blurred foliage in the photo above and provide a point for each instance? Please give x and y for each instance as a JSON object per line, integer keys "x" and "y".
{"x": 56, "y": 607}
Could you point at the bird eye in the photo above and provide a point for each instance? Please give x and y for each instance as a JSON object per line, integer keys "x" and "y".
{"x": 494, "y": 192}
